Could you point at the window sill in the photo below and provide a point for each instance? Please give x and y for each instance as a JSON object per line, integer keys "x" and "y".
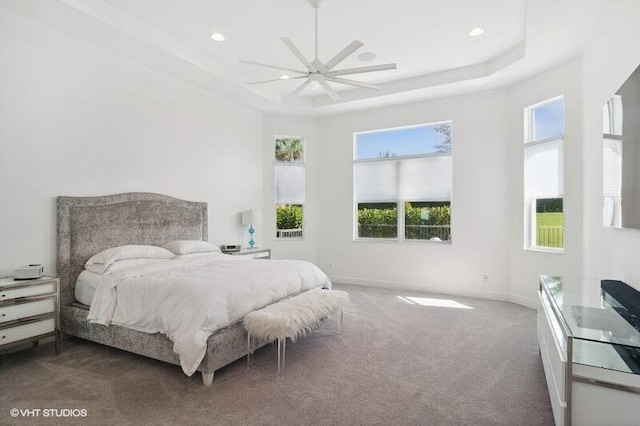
{"x": 395, "y": 240}
{"x": 545, "y": 250}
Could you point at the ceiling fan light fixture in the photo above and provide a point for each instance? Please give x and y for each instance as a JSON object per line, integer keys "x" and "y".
{"x": 318, "y": 73}
{"x": 475, "y": 32}
{"x": 367, "y": 56}
{"x": 218, "y": 37}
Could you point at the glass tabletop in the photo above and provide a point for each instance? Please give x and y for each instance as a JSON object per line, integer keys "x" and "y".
{"x": 588, "y": 314}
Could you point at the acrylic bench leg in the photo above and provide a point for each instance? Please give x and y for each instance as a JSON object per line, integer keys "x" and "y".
{"x": 282, "y": 347}
{"x": 207, "y": 378}
{"x": 248, "y": 350}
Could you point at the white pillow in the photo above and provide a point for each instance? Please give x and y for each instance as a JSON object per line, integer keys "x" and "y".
{"x": 101, "y": 261}
{"x": 120, "y": 265}
{"x": 191, "y": 246}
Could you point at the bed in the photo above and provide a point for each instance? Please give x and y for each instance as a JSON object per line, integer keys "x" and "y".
{"x": 88, "y": 225}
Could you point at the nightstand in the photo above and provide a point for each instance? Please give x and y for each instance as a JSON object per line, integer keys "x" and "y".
{"x": 29, "y": 311}
{"x": 256, "y": 253}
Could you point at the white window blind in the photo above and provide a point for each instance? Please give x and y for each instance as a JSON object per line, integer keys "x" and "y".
{"x": 544, "y": 170}
{"x": 424, "y": 178}
{"x": 290, "y": 183}
{"x": 612, "y": 168}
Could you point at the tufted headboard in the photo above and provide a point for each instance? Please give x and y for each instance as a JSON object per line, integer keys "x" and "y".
{"x": 88, "y": 225}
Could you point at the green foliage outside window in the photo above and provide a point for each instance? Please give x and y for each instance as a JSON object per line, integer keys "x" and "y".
{"x": 289, "y": 216}
{"x": 289, "y": 149}
{"x": 424, "y": 221}
{"x": 377, "y": 221}
{"x": 380, "y": 220}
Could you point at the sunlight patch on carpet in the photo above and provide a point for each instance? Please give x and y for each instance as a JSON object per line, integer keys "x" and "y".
{"x": 440, "y": 303}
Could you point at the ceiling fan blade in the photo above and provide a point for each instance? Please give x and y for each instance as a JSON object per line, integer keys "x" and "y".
{"x": 277, "y": 79}
{"x": 332, "y": 93}
{"x": 362, "y": 69}
{"x": 342, "y": 55}
{"x": 299, "y": 89}
{"x": 273, "y": 66}
{"x": 353, "y": 82}
{"x": 298, "y": 54}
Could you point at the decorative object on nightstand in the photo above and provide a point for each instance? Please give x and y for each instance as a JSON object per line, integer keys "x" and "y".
{"x": 230, "y": 248}
{"x": 29, "y": 272}
{"x": 250, "y": 218}
{"x": 29, "y": 311}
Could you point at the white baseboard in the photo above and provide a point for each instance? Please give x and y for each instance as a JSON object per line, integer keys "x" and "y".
{"x": 524, "y": 301}
{"x": 492, "y": 295}
{"x": 394, "y": 285}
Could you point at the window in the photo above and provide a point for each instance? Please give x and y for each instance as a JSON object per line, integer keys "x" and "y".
{"x": 544, "y": 175}
{"x": 612, "y": 162}
{"x": 289, "y": 187}
{"x": 402, "y": 183}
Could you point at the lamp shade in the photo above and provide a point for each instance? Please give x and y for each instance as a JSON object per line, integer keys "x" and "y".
{"x": 251, "y": 217}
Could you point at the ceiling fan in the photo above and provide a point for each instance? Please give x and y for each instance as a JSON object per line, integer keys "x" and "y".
{"x": 324, "y": 72}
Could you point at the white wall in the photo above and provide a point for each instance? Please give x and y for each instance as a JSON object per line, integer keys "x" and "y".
{"x": 69, "y": 128}
{"x": 283, "y": 125}
{"x": 526, "y": 265}
{"x": 103, "y": 125}
{"x": 479, "y": 205}
{"x": 609, "y": 253}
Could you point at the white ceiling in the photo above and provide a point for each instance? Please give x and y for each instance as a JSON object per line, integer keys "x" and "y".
{"x": 426, "y": 38}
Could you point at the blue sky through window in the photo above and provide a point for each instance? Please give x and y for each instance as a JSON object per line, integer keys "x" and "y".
{"x": 548, "y": 120}
{"x": 405, "y": 141}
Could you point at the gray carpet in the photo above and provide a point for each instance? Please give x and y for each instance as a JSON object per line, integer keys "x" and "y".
{"x": 396, "y": 363}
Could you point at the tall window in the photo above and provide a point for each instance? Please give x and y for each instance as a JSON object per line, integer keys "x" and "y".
{"x": 612, "y": 162}
{"x": 402, "y": 183}
{"x": 289, "y": 186}
{"x": 544, "y": 175}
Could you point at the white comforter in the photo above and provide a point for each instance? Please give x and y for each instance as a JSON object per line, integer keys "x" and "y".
{"x": 188, "y": 299}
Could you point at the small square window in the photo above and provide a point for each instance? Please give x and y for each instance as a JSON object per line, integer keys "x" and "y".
{"x": 547, "y": 121}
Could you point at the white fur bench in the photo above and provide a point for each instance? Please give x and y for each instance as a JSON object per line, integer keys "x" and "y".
{"x": 292, "y": 317}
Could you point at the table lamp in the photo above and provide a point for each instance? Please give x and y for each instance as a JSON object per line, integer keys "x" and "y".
{"x": 250, "y": 218}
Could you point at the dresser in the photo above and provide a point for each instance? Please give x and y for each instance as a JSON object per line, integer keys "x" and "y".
{"x": 589, "y": 340}
{"x": 29, "y": 311}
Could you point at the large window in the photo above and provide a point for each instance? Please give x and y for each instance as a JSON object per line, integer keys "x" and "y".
{"x": 289, "y": 186}
{"x": 544, "y": 175}
{"x": 402, "y": 183}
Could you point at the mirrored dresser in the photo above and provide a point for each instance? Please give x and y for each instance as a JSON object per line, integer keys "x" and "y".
{"x": 28, "y": 312}
{"x": 589, "y": 340}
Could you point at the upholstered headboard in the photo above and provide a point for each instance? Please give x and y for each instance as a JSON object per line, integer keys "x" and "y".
{"x": 88, "y": 225}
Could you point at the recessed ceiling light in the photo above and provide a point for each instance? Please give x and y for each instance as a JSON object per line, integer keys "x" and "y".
{"x": 218, "y": 37}
{"x": 284, "y": 77}
{"x": 476, "y": 32}
{"x": 367, "y": 56}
